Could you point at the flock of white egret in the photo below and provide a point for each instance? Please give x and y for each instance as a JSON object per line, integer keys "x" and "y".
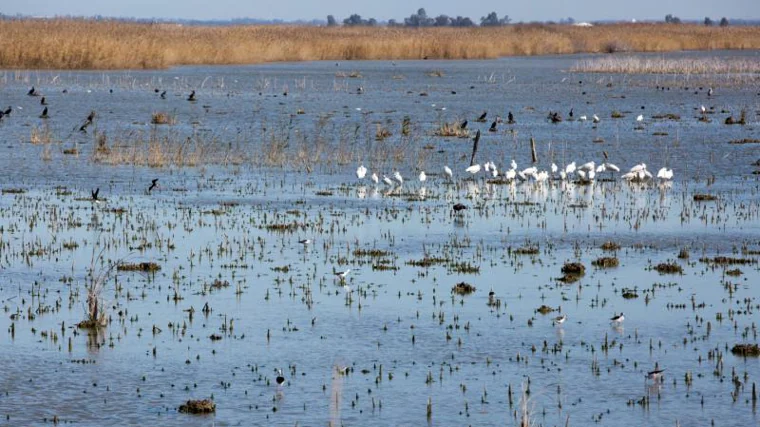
{"x": 585, "y": 173}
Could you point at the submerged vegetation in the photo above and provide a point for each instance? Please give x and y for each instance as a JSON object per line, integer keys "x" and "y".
{"x": 90, "y": 44}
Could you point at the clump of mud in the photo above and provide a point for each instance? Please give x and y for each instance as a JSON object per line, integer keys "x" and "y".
{"x": 704, "y": 197}
{"x": 746, "y": 350}
{"x": 147, "y": 267}
{"x": 545, "y": 309}
{"x": 204, "y": 406}
{"x": 606, "y": 262}
{"x": 610, "y": 246}
{"x": 572, "y": 272}
{"x": 668, "y": 268}
{"x": 463, "y": 288}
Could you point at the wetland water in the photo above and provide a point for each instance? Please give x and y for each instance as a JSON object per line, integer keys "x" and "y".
{"x": 375, "y": 348}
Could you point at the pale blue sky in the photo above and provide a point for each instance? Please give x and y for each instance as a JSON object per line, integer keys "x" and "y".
{"x": 581, "y": 10}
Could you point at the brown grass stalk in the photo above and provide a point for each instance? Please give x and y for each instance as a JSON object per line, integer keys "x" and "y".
{"x": 62, "y": 43}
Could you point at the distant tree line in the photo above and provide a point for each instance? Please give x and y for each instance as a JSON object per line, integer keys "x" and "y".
{"x": 421, "y": 19}
{"x": 672, "y": 19}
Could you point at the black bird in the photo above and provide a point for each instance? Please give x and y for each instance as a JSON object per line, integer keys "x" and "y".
{"x": 510, "y": 118}
{"x": 87, "y": 122}
{"x": 44, "y": 114}
{"x": 95, "y": 195}
{"x": 163, "y": 95}
{"x": 43, "y": 101}
{"x": 482, "y": 117}
{"x": 153, "y": 184}
{"x": 8, "y": 111}
{"x": 554, "y": 117}
{"x": 655, "y": 375}
{"x": 156, "y": 90}
{"x": 280, "y": 379}
{"x": 709, "y": 92}
{"x": 571, "y": 113}
{"x": 493, "y": 127}
{"x": 191, "y": 98}
{"x": 463, "y": 125}
{"x": 459, "y": 207}
{"x": 33, "y": 92}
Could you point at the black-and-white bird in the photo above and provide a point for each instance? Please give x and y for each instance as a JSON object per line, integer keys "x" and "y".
{"x": 94, "y": 194}
{"x": 655, "y": 375}
{"x": 342, "y": 274}
{"x": 304, "y": 241}
{"x": 153, "y": 184}
{"x": 560, "y": 319}
{"x": 279, "y": 379}
{"x": 618, "y": 318}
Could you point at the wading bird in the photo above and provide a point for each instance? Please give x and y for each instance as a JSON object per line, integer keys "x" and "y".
{"x": 618, "y": 318}
{"x": 153, "y": 184}
{"x": 191, "y": 98}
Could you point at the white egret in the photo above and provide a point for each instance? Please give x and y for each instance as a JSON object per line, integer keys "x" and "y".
{"x": 596, "y": 119}
{"x": 423, "y": 177}
{"x": 473, "y": 169}
{"x": 375, "y": 179}
{"x": 398, "y": 177}
{"x": 448, "y": 172}
{"x": 361, "y": 172}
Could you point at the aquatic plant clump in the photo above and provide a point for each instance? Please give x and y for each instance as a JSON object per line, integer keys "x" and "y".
{"x": 203, "y": 406}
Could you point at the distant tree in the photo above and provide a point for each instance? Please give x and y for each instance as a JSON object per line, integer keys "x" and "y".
{"x": 331, "y": 21}
{"x": 460, "y": 21}
{"x": 442, "y": 21}
{"x": 670, "y": 19}
{"x": 708, "y": 21}
{"x": 419, "y": 19}
{"x": 393, "y": 23}
{"x": 568, "y": 20}
{"x": 490, "y": 20}
{"x": 371, "y": 22}
{"x": 354, "y": 20}
{"x": 723, "y": 22}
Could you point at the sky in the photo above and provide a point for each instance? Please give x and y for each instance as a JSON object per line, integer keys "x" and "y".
{"x": 289, "y": 10}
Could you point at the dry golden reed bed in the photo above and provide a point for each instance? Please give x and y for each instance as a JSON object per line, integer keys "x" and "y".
{"x": 86, "y": 44}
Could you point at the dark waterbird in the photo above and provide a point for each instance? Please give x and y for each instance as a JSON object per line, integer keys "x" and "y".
{"x": 482, "y": 117}
{"x": 87, "y": 122}
{"x": 459, "y": 207}
{"x": 33, "y": 92}
{"x": 463, "y": 125}
{"x": 153, "y": 184}
{"x": 43, "y": 101}
{"x": 8, "y": 111}
{"x": 510, "y": 118}
{"x": 191, "y": 98}
{"x": 95, "y": 195}
{"x": 163, "y": 95}
{"x": 493, "y": 127}
{"x": 44, "y": 114}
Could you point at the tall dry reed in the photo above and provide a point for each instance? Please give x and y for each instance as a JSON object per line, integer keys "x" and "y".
{"x": 87, "y": 44}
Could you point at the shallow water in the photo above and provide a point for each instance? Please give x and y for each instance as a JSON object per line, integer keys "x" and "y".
{"x": 399, "y": 330}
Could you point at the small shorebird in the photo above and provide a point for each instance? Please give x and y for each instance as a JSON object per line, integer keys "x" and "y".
{"x": 280, "y": 379}
{"x": 618, "y": 318}
{"x": 94, "y": 195}
{"x": 342, "y": 274}
{"x": 560, "y": 319}
{"x": 191, "y": 98}
{"x": 304, "y": 241}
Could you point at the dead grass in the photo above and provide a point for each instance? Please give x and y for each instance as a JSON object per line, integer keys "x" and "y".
{"x": 162, "y": 118}
{"x": 452, "y": 130}
{"x": 62, "y": 43}
{"x": 648, "y": 65}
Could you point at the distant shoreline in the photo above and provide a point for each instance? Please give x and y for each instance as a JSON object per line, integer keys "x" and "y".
{"x": 79, "y": 44}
